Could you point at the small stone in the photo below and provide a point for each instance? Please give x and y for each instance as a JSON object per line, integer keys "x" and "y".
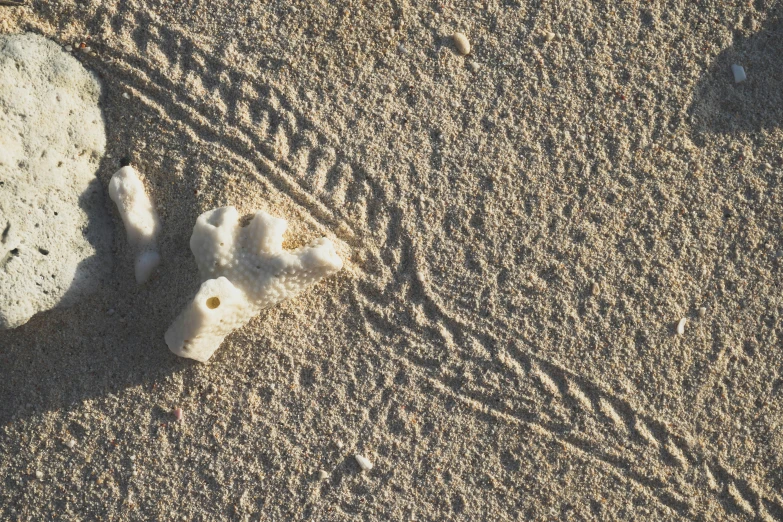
{"x": 474, "y": 66}
{"x": 549, "y": 36}
{"x": 681, "y": 326}
{"x": 68, "y": 48}
{"x": 86, "y": 49}
{"x": 126, "y": 95}
{"x": 595, "y": 289}
{"x": 39, "y": 475}
{"x": 401, "y": 48}
{"x": 339, "y": 444}
{"x": 322, "y": 475}
{"x": 70, "y": 443}
{"x": 739, "y": 73}
{"x": 178, "y": 414}
{"x": 461, "y": 43}
{"x": 132, "y": 458}
{"x": 702, "y": 312}
{"x": 365, "y": 464}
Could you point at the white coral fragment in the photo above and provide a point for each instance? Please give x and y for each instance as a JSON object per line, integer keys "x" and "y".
{"x": 245, "y": 270}
{"x": 140, "y": 219}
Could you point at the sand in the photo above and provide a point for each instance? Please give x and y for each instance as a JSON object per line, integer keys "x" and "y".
{"x": 477, "y": 200}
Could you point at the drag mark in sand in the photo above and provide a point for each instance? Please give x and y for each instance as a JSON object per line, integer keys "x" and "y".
{"x": 301, "y": 158}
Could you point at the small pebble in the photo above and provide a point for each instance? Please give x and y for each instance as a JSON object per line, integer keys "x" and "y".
{"x": 126, "y": 95}
{"x": 322, "y": 475}
{"x": 132, "y": 458}
{"x": 702, "y": 312}
{"x": 86, "y": 49}
{"x": 596, "y": 288}
{"x": 549, "y": 36}
{"x": 402, "y": 49}
{"x": 39, "y": 475}
{"x": 474, "y": 66}
{"x": 68, "y": 48}
{"x": 681, "y": 326}
{"x": 178, "y": 414}
{"x": 71, "y": 444}
{"x": 739, "y": 73}
{"x": 461, "y": 43}
{"x": 339, "y": 444}
{"x": 365, "y": 464}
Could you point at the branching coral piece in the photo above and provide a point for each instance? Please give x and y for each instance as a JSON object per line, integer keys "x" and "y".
{"x": 245, "y": 270}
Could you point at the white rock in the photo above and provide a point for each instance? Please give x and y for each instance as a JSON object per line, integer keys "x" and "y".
{"x": 702, "y": 312}
{"x": 245, "y": 269}
{"x": 365, "y": 464}
{"x": 70, "y": 443}
{"x": 322, "y": 475}
{"x": 140, "y": 219}
{"x": 739, "y": 73}
{"x": 681, "y": 326}
{"x": 55, "y": 233}
{"x": 39, "y": 475}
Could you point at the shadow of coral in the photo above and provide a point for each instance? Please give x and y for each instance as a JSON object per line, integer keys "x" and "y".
{"x": 111, "y": 340}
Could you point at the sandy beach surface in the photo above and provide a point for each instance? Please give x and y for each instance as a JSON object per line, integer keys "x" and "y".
{"x": 523, "y": 228}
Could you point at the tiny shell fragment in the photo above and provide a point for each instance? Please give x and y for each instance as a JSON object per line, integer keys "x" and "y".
{"x": 739, "y": 73}
{"x": 681, "y": 326}
{"x": 365, "y": 464}
{"x": 461, "y": 43}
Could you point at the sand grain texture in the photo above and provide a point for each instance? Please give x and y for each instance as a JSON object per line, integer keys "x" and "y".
{"x": 476, "y": 199}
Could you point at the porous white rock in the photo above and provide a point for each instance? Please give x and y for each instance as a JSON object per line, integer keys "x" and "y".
{"x": 55, "y": 233}
{"x": 142, "y": 224}
{"x": 245, "y": 269}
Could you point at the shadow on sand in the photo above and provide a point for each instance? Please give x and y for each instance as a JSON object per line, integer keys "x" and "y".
{"x": 721, "y": 106}
{"x": 112, "y": 339}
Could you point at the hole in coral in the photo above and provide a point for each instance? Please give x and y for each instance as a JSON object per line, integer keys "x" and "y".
{"x": 43, "y": 251}
{"x": 213, "y": 302}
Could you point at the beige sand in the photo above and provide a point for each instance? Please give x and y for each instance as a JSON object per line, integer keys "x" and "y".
{"x": 477, "y": 200}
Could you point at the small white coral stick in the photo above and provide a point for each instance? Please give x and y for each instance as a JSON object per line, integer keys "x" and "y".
{"x": 140, "y": 219}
